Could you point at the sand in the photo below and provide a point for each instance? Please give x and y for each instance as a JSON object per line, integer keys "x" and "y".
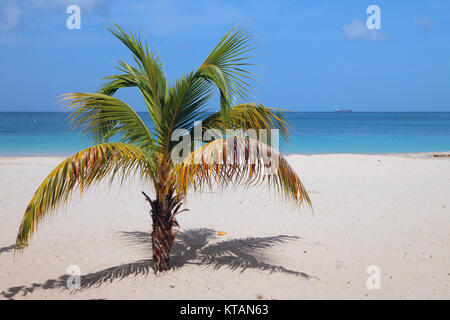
{"x": 389, "y": 211}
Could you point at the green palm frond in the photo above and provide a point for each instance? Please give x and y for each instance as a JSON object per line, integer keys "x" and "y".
{"x": 226, "y": 66}
{"x": 235, "y": 161}
{"x": 149, "y": 76}
{"x": 101, "y": 117}
{"x": 154, "y": 106}
{"x": 149, "y": 63}
{"x": 116, "y": 82}
{"x": 80, "y": 171}
{"x": 187, "y": 100}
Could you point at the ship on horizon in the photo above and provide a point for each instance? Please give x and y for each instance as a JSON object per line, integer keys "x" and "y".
{"x": 342, "y": 110}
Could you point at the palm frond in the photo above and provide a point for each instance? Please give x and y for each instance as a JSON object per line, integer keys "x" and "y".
{"x": 226, "y": 66}
{"x": 116, "y": 82}
{"x": 187, "y": 101}
{"x": 101, "y": 116}
{"x": 149, "y": 93}
{"x": 249, "y": 116}
{"x": 149, "y": 63}
{"x": 80, "y": 171}
{"x": 234, "y": 161}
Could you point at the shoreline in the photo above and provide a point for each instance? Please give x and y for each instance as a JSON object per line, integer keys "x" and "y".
{"x": 426, "y": 154}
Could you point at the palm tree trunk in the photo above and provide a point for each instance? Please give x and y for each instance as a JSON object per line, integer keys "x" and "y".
{"x": 163, "y": 213}
{"x": 162, "y": 240}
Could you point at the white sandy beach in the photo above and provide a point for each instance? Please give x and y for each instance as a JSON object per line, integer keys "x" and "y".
{"x": 389, "y": 211}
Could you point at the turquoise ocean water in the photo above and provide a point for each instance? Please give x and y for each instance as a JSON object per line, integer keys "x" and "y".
{"x": 48, "y": 133}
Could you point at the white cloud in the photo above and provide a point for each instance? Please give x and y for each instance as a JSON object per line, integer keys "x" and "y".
{"x": 10, "y": 14}
{"x": 358, "y": 30}
{"x": 425, "y": 23}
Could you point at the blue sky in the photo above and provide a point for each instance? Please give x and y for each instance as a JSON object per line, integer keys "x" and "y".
{"x": 312, "y": 55}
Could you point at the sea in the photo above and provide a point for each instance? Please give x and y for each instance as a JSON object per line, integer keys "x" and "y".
{"x": 49, "y": 133}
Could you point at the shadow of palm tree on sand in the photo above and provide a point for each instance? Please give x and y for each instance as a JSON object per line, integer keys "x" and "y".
{"x": 193, "y": 247}
{"x": 6, "y": 249}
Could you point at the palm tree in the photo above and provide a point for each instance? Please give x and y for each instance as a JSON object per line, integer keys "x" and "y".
{"x": 148, "y": 151}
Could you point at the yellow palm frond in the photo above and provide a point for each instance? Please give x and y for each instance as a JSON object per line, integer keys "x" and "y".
{"x": 238, "y": 161}
{"x": 81, "y": 170}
